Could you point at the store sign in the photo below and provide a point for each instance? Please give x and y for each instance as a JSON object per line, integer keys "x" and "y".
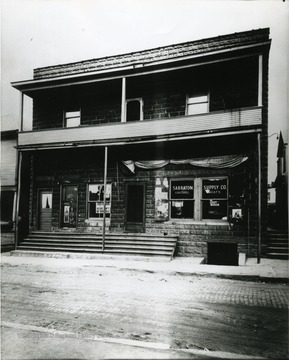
{"x": 215, "y": 189}
{"x": 182, "y": 189}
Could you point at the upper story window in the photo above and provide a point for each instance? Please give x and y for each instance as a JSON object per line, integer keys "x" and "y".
{"x": 197, "y": 103}
{"x": 72, "y": 118}
{"x": 134, "y": 109}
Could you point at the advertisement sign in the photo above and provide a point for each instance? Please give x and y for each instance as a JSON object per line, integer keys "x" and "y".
{"x": 214, "y": 189}
{"x": 182, "y": 189}
{"x": 214, "y": 209}
{"x": 161, "y": 199}
{"x": 237, "y": 214}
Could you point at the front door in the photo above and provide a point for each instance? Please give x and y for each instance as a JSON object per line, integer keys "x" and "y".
{"x": 45, "y": 210}
{"x": 69, "y": 206}
{"x": 135, "y": 207}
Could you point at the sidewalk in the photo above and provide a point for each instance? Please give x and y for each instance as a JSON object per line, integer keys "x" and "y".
{"x": 268, "y": 269}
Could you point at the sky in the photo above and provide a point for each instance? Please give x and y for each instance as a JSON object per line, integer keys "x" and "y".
{"x": 36, "y": 33}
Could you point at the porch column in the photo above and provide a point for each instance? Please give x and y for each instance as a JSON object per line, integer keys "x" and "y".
{"x": 123, "y": 99}
{"x": 19, "y": 165}
{"x": 260, "y": 80}
{"x": 104, "y": 197}
{"x": 259, "y": 199}
{"x": 21, "y": 111}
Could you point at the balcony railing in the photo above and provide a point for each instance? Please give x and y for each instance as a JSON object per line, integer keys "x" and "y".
{"x": 214, "y": 121}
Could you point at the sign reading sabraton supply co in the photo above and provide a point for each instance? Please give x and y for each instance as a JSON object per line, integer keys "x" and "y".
{"x": 182, "y": 189}
{"x": 215, "y": 189}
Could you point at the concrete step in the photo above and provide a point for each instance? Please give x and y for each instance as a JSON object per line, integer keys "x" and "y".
{"x": 146, "y": 252}
{"x": 278, "y": 241}
{"x": 59, "y": 234}
{"x": 99, "y": 241}
{"x": 281, "y": 256}
{"x": 144, "y": 244}
{"x": 71, "y": 235}
{"x": 95, "y": 246}
{"x": 274, "y": 249}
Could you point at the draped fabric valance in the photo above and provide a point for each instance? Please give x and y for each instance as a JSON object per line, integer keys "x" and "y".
{"x": 216, "y": 162}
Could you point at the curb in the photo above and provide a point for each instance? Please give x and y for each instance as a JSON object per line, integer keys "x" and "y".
{"x": 51, "y": 333}
{"x": 253, "y": 278}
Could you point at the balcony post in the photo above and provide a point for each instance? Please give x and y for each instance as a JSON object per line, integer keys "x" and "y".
{"x": 19, "y": 169}
{"x": 260, "y": 80}
{"x": 259, "y": 199}
{"x": 104, "y": 197}
{"x": 123, "y": 99}
{"x": 21, "y": 111}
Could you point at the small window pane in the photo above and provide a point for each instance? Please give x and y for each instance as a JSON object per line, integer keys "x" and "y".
{"x": 46, "y": 201}
{"x": 214, "y": 209}
{"x": 194, "y": 109}
{"x": 182, "y": 209}
{"x": 71, "y": 122}
{"x": 198, "y": 99}
{"x": 182, "y": 189}
{"x": 214, "y": 189}
{"x": 70, "y": 114}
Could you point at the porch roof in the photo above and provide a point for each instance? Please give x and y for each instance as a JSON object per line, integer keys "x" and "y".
{"x": 137, "y": 62}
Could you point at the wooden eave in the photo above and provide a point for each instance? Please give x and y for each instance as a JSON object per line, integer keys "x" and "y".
{"x": 28, "y": 87}
{"x": 144, "y": 140}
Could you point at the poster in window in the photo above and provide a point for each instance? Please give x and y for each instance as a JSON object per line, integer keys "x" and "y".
{"x": 182, "y": 189}
{"x": 161, "y": 199}
{"x": 214, "y": 209}
{"x": 66, "y": 214}
{"x": 237, "y": 214}
{"x": 214, "y": 189}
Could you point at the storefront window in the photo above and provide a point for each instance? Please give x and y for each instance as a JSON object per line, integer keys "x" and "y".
{"x": 96, "y": 200}
{"x": 199, "y": 199}
{"x": 182, "y": 199}
{"x": 214, "y": 198}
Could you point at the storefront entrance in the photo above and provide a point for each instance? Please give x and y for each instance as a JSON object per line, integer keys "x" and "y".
{"x": 45, "y": 210}
{"x": 135, "y": 207}
{"x": 69, "y": 206}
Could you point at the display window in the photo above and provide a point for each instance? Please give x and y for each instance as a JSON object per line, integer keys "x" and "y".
{"x": 199, "y": 198}
{"x": 96, "y": 201}
{"x": 214, "y": 198}
{"x": 182, "y": 199}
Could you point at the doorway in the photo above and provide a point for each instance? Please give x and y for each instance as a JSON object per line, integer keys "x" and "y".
{"x": 45, "y": 210}
{"x": 69, "y": 206}
{"x": 135, "y": 207}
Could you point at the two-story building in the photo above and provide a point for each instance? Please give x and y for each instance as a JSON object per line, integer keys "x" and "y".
{"x": 129, "y": 151}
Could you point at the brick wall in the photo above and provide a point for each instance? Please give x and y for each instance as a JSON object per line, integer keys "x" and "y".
{"x": 231, "y": 85}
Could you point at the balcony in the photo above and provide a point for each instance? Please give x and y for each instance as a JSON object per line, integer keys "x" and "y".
{"x": 143, "y": 130}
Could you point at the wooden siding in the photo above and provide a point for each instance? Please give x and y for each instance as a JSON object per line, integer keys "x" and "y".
{"x": 8, "y": 162}
{"x": 218, "y": 120}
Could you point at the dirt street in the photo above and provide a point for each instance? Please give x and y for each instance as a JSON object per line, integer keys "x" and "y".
{"x": 182, "y": 312}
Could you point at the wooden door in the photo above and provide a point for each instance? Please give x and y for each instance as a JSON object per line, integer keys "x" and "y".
{"x": 45, "y": 210}
{"x": 135, "y": 207}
